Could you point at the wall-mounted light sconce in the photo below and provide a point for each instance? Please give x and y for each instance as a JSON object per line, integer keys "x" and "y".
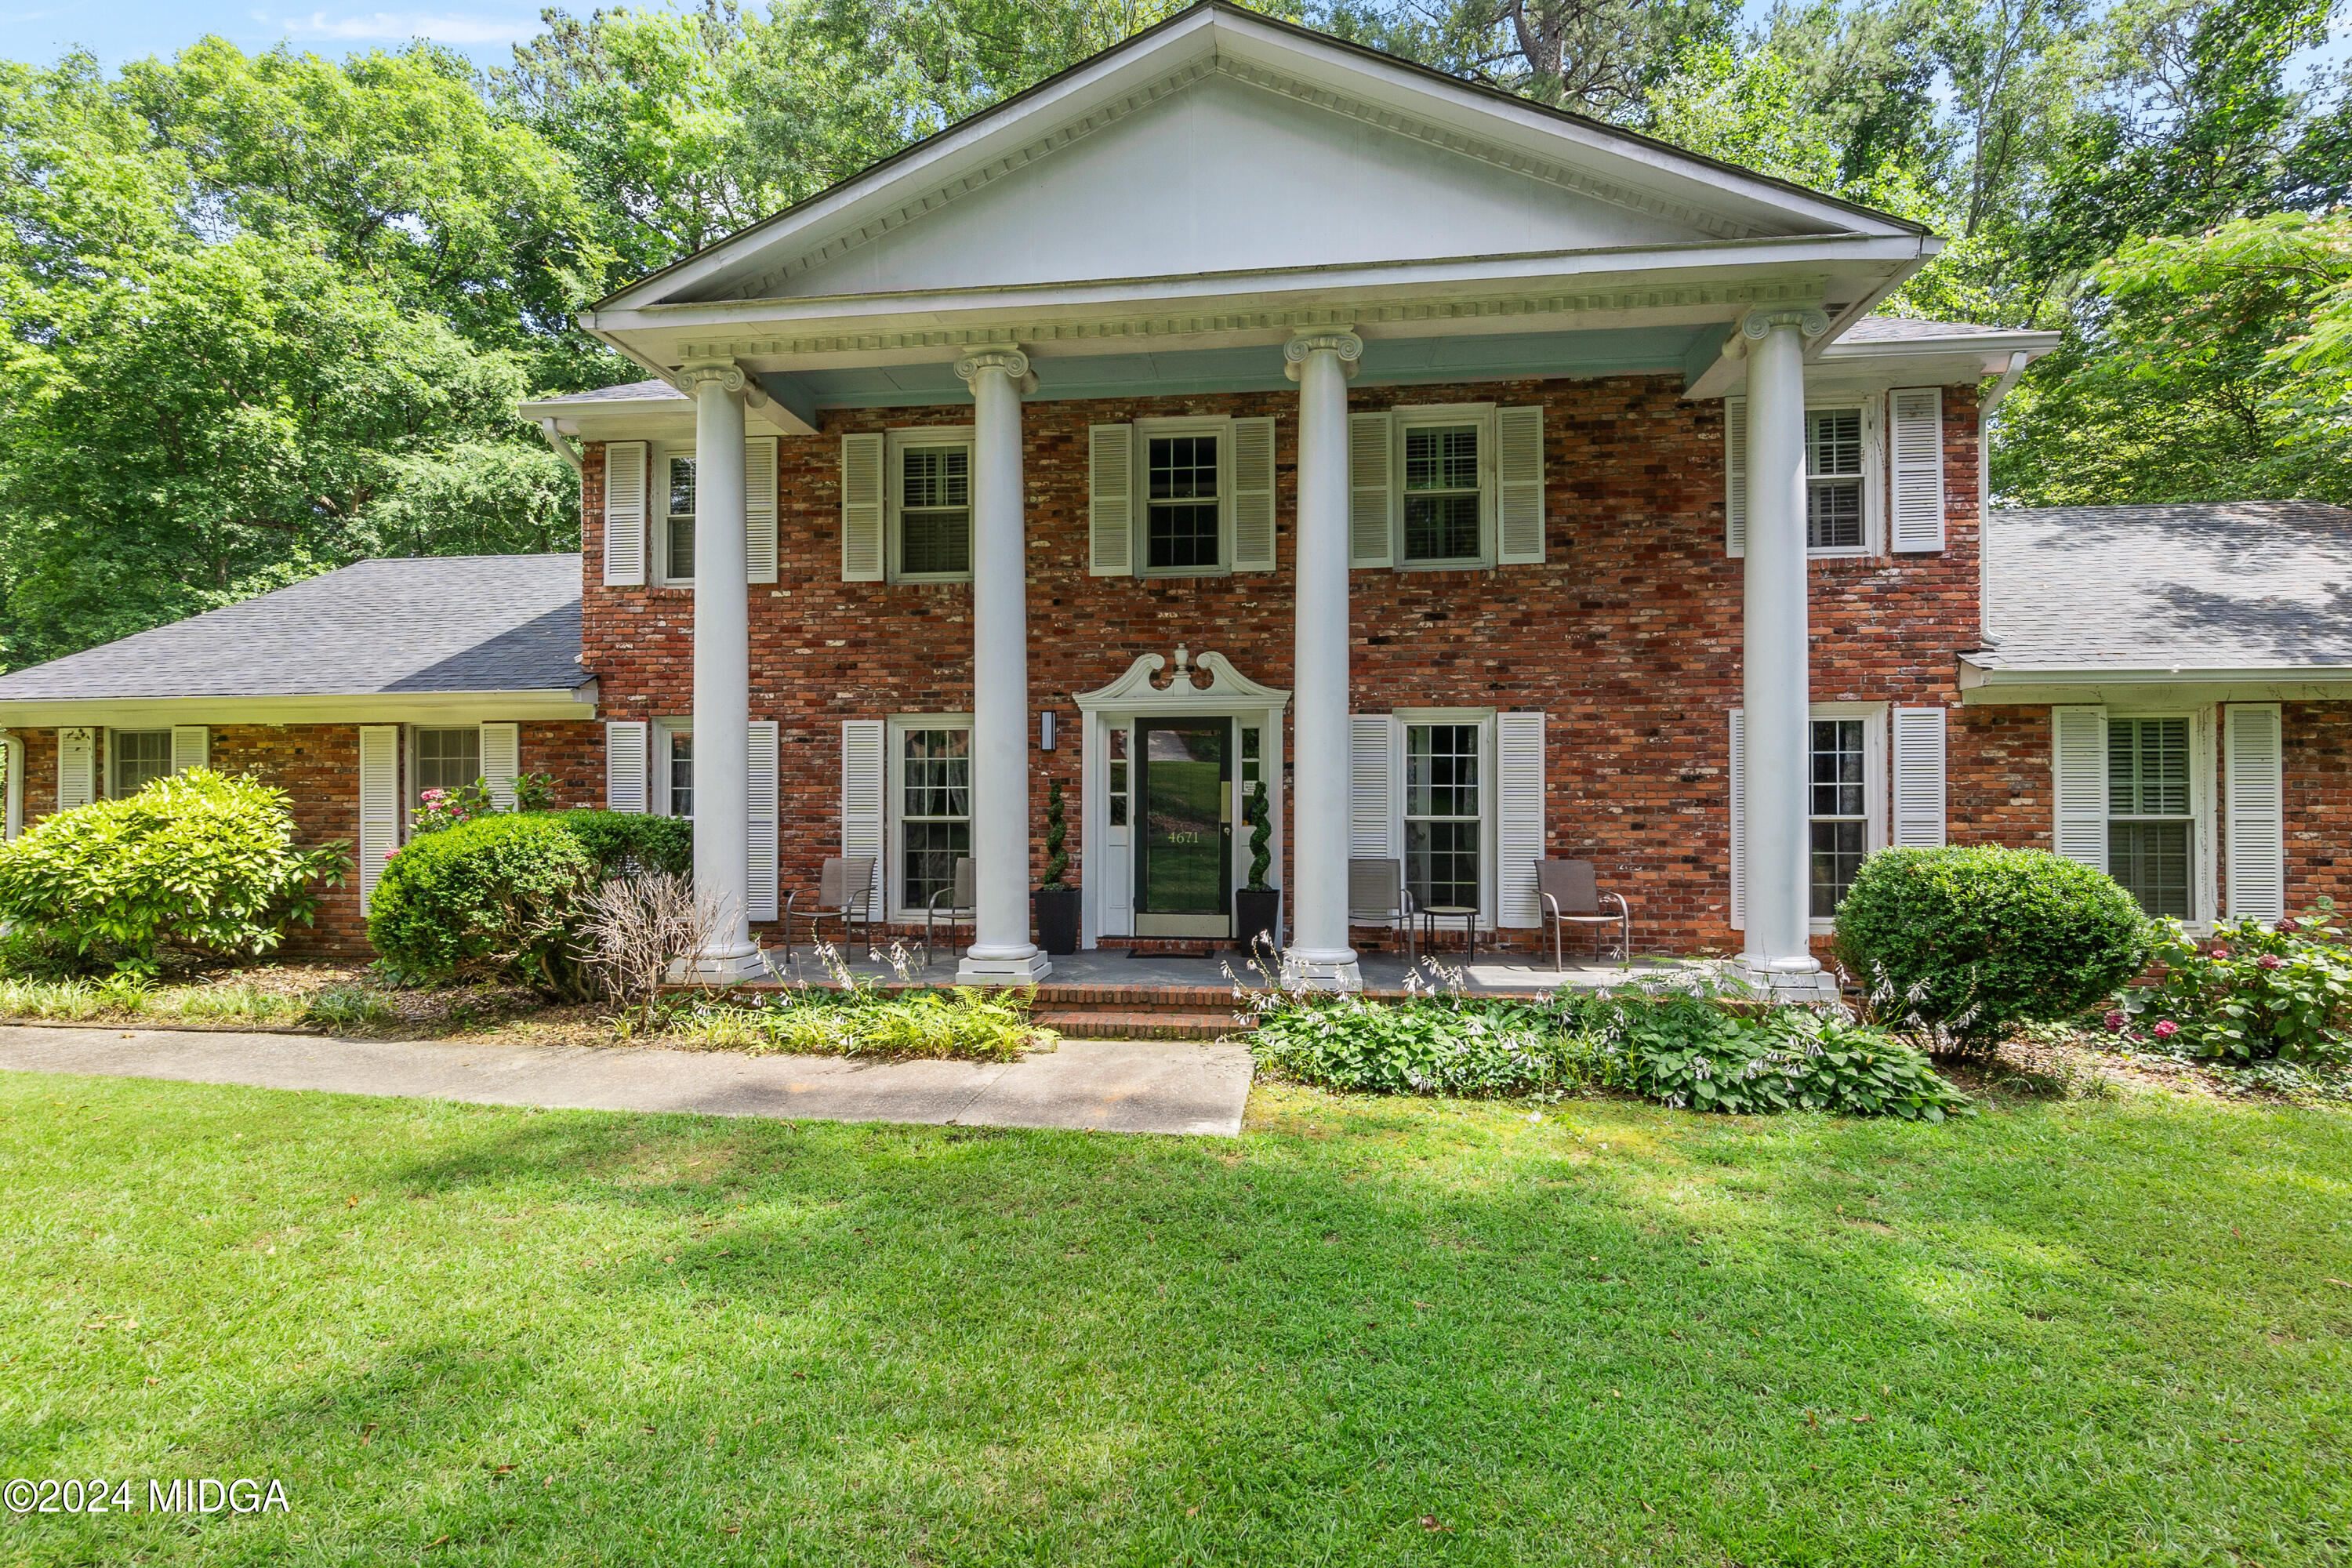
{"x": 1045, "y": 730}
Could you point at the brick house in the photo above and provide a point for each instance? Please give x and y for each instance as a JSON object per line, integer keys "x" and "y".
{"x": 1241, "y": 408}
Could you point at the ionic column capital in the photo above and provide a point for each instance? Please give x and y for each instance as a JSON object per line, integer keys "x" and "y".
{"x": 726, "y": 372}
{"x": 1339, "y": 340}
{"x": 1759, "y": 324}
{"x": 1012, "y": 362}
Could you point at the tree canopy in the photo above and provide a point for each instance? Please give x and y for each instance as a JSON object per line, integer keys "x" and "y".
{"x": 265, "y": 314}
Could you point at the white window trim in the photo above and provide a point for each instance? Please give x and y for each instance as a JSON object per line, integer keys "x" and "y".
{"x": 1145, "y": 431}
{"x": 894, "y": 798}
{"x": 1413, "y": 415}
{"x": 2204, "y": 795}
{"x": 1875, "y": 461}
{"x": 895, "y": 444}
{"x": 1877, "y": 781}
{"x": 657, "y": 762}
{"x": 1489, "y": 792}
{"x": 658, "y": 453}
{"x": 114, "y": 755}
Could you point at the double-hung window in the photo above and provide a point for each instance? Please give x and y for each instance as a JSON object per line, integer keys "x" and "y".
{"x": 139, "y": 758}
{"x": 1443, "y": 816}
{"x": 677, "y": 518}
{"x": 1182, "y": 525}
{"x": 931, "y": 506}
{"x": 1838, "y": 806}
{"x": 447, "y": 759}
{"x": 678, "y": 771}
{"x": 2151, "y": 822}
{"x": 934, "y": 811}
{"x": 1444, "y": 499}
{"x": 1836, "y": 479}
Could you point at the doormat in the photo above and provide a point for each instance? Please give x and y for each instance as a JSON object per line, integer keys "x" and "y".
{"x": 1203, "y": 950}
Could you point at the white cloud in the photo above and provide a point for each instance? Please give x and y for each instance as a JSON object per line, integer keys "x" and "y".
{"x": 399, "y": 27}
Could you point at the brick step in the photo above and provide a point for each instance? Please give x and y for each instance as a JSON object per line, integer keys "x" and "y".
{"x": 1105, "y": 1024}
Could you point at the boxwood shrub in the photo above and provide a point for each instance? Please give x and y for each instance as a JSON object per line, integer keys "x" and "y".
{"x": 1965, "y": 942}
{"x": 195, "y": 861}
{"x": 620, "y": 842}
{"x": 498, "y": 898}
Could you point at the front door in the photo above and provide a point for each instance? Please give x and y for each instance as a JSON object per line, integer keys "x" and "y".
{"x": 1184, "y": 853}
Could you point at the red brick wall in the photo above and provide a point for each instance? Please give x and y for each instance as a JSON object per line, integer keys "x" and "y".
{"x": 1628, "y": 638}
{"x": 2318, "y": 746}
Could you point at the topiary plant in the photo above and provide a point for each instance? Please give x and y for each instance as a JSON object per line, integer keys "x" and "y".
{"x": 1057, "y": 832}
{"x": 498, "y": 898}
{"x": 195, "y": 861}
{"x": 1261, "y": 826}
{"x": 1964, "y": 942}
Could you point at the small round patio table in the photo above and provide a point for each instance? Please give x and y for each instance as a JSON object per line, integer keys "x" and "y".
{"x": 1466, "y": 913}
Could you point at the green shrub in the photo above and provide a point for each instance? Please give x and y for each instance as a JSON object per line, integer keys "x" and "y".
{"x": 620, "y": 842}
{"x": 2252, "y": 992}
{"x": 195, "y": 861}
{"x": 1962, "y": 944}
{"x": 965, "y": 1024}
{"x": 498, "y": 898}
{"x": 1686, "y": 1051}
{"x": 1460, "y": 1045}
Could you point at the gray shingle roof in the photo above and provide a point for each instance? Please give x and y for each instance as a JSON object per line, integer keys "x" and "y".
{"x": 1903, "y": 330}
{"x": 627, "y": 391}
{"x": 2218, "y": 586}
{"x": 424, "y": 624}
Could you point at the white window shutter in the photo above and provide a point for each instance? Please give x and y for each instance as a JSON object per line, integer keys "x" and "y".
{"x": 379, "y": 803}
{"x": 624, "y": 515}
{"x": 1735, "y": 481}
{"x": 1110, "y": 501}
{"x": 2078, "y": 761}
{"x": 502, "y": 761}
{"x": 760, "y": 509}
{"x": 1519, "y": 817}
{"x": 861, "y": 507}
{"x": 1372, "y": 489}
{"x": 2254, "y": 753}
{"x": 864, "y": 770}
{"x": 1254, "y": 495}
{"x": 1915, "y": 417}
{"x": 1519, "y": 486}
{"x": 1739, "y": 819}
{"x": 628, "y": 766}
{"x": 759, "y": 825}
{"x": 192, "y": 747}
{"x": 77, "y": 768}
{"x": 1372, "y": 794}
{"x": 1919, "y": 772}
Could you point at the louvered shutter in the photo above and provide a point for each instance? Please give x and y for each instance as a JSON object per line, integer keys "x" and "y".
{"x": 760, "y": 509}
{"x": 1916, "y": 423}
{"x": 1253, "y": 495}
{"x": 1739, "y": 819}
{"x": 192, "y": 747}
{"x": 2253, "y": 754}
{"x": 864, "y": 768}
{"x": 1372, "y": 486}
{"x": 1919, "y": 772}
{"x": 77, "y": 768}
{"x": 1519, "y": 486}
{"x": 1519, "y": 817}
{"x": 379, "y": 803}
{"x": 628, "y": 766}
{"x": 624, "y": 515}
{"x": 759, "y": 825}
{"x": 2078, "y": 759}
{"x": 502, "y": 761}
{"x": 1110, "y": 501}
{"x": 861, "y": 507}
{"x": 1372, "y": 803}
{"x": 1735, "y": 477}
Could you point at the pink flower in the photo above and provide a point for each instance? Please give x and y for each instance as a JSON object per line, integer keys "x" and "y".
{"x": 2269, "y": 961}
{"x": 2116, "y": 1023}
{"x": 2167, "y": 1029}
{"x": 2221, "y": 952}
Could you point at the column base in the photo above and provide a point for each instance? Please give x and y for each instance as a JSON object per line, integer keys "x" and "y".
{"x": 720, "y": 966}
{"x": 1321, "y": 970}
{"x": 1786, "y": 982}
{"x": 1002, "y": 968}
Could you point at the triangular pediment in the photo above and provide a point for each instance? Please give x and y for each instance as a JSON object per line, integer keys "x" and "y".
{"x": 1222, "y": 142}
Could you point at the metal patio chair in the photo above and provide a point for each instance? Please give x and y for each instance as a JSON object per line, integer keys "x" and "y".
{"x": 845, "y": 891}
{"x": 1569, "y": 892}
{"x": 1376, "y": 896}
{"x": 961, "y": 911}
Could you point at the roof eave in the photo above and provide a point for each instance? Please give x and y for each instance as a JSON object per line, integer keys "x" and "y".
{"x": 547, "y": 703}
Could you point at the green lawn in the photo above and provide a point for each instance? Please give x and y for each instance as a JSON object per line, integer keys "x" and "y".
{"x": 1370, "y": 1331}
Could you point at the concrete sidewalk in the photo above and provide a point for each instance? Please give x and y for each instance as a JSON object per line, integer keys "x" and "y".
{"x": 1112, "y": 1086}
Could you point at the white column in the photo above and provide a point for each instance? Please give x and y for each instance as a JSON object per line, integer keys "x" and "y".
{"x": 1776, "y": 662}
{"x": 722, "y": 670}
{"x": 1319, "y": 954}
{"x": 1001, "y": 952}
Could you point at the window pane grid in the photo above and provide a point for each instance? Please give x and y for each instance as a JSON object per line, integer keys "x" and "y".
{"x": 447, "y": 759}
{"x": 141, "y": 757}
{"x": 1182, "y": 502}
{"x": 1838, "y": 802}
{"x": 681, "y": 517}
{"x": 1441, "y": 492}
{"x": 2150, "y": 831}
{"x": 1442, "y": 814}
{"x": 681, "y": 773}
{"x": 935, "y": 511}
{"x": 1834, "y": 470}
{"x": 935, "y": 802}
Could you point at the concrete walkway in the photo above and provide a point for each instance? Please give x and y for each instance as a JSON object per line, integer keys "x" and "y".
{"x": 1112, "y": 1086}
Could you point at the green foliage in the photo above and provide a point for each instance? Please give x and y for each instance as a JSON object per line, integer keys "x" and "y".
{"x": 620, "y": 842}
{"x": 194, "y": 861}
{"x": 1434, "y": 1045}
{"x": 1687, "y": 1052}
{"x": 1967, "y": 941}
{"x": 1259, "y": 816}
{"x": 437, "y": 810}
{"x": 1057, "y": 833}
{"x": 494, "y": 898}
{"x": 962, "y": 1023}
{"x": 2250, "y": 992}
{"x": 534, "y": 791}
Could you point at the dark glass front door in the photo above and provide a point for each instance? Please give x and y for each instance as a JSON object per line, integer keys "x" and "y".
{"x": 1183, "y": 854}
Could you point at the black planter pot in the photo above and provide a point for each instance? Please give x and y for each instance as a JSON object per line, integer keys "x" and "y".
{"x": 1256, "y": 910}
{"x": 1057, "y": 919}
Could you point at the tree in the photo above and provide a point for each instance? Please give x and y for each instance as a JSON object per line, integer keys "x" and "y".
{"x": 1599, "y": 58}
